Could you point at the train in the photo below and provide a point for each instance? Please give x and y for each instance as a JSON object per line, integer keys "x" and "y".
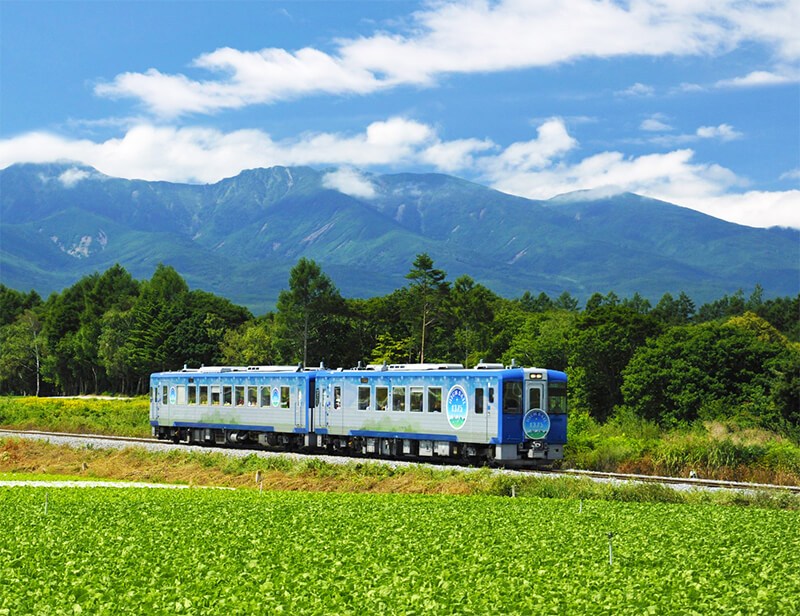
{"x": 490, "y": 413}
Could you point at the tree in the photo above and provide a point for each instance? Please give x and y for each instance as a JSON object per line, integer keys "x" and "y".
{"x": 428, "y": 290}
{"x": 251, "y": 344}
{"x": 471, "y": 309}
{"x": 601, "y": 345}
{"x": 302, "y": 310}
{"x": 22, "y": 349}
{"x": 565, "y": 301}
{"x": 707, "y": 371}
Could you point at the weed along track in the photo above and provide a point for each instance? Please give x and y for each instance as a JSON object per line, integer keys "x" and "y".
{"x": 314, "y": 461}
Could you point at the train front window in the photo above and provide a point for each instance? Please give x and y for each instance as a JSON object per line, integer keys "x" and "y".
{"x": 512, "y": 397}
{"x": 557, "y": 398}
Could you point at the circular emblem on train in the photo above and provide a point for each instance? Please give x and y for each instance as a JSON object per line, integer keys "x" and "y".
{"x": 276, "y": 397}
{"x": 536, "y": 424}
{"x": 172, "y": 395}
{"x": 457, "y": 407}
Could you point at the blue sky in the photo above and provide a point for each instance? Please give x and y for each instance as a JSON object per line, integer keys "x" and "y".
{"x": 697, "y": 103}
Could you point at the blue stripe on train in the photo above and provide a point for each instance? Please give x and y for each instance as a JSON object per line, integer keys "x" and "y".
{"x": 408, "y": 435}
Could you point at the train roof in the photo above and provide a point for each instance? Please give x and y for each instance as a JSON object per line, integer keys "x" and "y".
{"x": 376, "y": 370}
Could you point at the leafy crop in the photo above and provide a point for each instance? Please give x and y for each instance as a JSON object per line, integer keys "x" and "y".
{"x": 104, "y": 551}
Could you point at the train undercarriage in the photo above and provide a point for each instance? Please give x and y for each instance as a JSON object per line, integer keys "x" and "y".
{"x": 529, "y": 453}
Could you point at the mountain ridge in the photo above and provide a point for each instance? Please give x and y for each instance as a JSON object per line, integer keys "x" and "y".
{"x": 239, "y": 237}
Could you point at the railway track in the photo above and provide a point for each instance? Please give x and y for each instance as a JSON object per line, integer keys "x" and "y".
{"x": 593, "y": 475}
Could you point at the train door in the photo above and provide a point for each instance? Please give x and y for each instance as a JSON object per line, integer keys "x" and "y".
{"x": 513, "y": 401}
{"x": 334, "y": 411}
{"x": 299, "y": 404}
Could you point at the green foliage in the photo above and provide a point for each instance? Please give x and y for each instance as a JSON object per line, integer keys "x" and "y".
{"x": 124, "y": 417}
{"x": 707, "y": 371}
{"x": 103, "y": 551}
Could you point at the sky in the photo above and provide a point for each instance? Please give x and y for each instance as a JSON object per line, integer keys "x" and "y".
{"x": 690, "y": 101}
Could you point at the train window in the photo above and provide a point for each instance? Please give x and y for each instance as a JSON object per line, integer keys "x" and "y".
{"x": 479, "y": 400}
{"x": 398, "y": 398}
{"x": 434, "y": 399}
{"x": 238, "y": 395}
{"x": 265, "y": 396}
{"x": 316, "y": 397}
{"x": 252, "y": 396}
{"x": 534, "y": 398}
{"x": 152, "y": 394}
{"x": 285, "y": 397}
{"x": 337, "y": 397}
{"x": 512, "y": 397}
{"x": 165, "y": 394}
{"x": 363, "y": 397}
{"x": 226, "y": 395}
{"x": 181, "y": 394}
{"x": 203, "y": 394}
{"x": 215, "y": 395}
{"x": 192, "y": 394}
{"x": 416, "y": 400}
{"x": 381, "y": 398}
{"x": 491, "y": 394}
{"x": 557, "y": 398}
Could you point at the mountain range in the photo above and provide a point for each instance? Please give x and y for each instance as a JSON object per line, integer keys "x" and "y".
{"x": 240, "y": 237}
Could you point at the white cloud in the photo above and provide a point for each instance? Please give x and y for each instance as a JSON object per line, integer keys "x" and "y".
{"x": 724, "y": 132}
{"x": 794, "y": 174}
{"x": 760, "y": 78}
{"x": 638, "y": 89}
{"x": 72, "y": 176}
{"x": 350, "y": 182}
{"x": 457, "y": 37}
{"x": 655, "y": 123}
{"x": 452, "y": 156}
{"x": 539, "y": 168}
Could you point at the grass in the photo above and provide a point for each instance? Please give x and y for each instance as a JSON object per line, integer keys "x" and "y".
{"x": 46, "y": 477}
{"x": 313, "y": 475}
{"x": 122, "y": 417}
{"x": 714, "y": 450}
{"x": 626, "y": 443}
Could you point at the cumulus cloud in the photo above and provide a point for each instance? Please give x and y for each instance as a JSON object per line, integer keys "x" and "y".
{"x": 350, "y": 182}
{"x": 724, "y": 132}
{"x": 456, "y": 37}
{"x": 539, "y": 168}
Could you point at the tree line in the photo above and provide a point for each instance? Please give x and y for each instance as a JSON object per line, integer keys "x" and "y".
{"x": 736, "y": 357}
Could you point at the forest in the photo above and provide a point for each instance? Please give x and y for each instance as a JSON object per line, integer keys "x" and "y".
{"x": 673, "y": 363}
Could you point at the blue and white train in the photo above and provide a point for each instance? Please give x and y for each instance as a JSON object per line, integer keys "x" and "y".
{"x": 416, "y": 411}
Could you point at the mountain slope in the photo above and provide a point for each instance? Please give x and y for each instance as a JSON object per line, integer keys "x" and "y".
{"x": 241, "y": 236}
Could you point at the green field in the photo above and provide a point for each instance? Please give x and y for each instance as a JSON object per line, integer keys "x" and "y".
{"x": 110, "y": 551}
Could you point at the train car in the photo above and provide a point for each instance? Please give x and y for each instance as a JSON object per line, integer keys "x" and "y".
{"x": 418, "y": 411}
{"x": 266, "y": 405}
{"x": 443, "y": 410}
